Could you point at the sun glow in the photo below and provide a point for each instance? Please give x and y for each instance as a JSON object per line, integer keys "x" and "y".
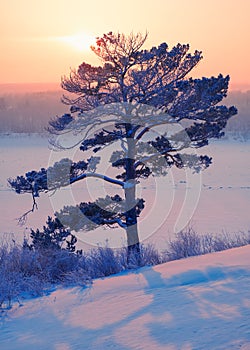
{"x": 80, "y": 41}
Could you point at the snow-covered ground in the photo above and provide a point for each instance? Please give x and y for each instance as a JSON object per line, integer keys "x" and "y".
{"x": 192, "y": 304}
{"x": 216, "y": 200}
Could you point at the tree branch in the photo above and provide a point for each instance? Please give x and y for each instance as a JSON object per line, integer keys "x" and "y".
{"x": 99, "y": 176}
{"x": 149, "y": 127}
{"x": 22, "y": 219}
{"x": 139, "y": 136}
{"x": 145, "y": 159}
{"x": 114, "y": 221}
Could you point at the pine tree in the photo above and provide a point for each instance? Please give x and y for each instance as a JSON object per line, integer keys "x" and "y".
{"x": 122, "y": 102}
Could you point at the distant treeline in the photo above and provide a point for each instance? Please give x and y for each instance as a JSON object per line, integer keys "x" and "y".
{"x": 30, "y": 112}
{"x": 238, "y": 126}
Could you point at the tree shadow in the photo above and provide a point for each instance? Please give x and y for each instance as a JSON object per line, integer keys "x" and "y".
{"x": 202, "y": 313}
{"x": 182, "y": 311}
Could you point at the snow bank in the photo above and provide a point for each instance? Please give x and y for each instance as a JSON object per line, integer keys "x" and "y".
{"x": 197, "y": 303}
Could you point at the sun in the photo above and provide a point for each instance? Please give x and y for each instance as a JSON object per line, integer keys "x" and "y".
{"x": 80, "y": 42}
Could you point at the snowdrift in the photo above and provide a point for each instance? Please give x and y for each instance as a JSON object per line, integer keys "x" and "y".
{"x": 197, "y": 303}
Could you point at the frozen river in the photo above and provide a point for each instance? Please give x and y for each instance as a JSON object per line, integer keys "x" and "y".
{"x": 215, "y": 201}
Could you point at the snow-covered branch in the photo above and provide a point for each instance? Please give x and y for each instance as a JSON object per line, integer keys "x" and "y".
{"x": 99, "y": 176}
{"x": 114, "y": 221}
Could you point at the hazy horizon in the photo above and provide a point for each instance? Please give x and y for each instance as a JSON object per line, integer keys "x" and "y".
{"x": 23, "y": 87}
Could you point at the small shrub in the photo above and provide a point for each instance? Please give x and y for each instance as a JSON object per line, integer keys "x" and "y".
{"x": 20, "y": 273}
{"x": 149, "y": 255}
{"x": 187, "y": 243}
{"x": 25, "y": 271}
{"x": 53, "y": 236}
{"x": 104, "y": 261}
{"x": 78, "y": 277}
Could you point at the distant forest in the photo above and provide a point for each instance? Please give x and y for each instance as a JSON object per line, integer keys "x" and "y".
{"x": 30, "y": 112}
{"x": 238, "y": 126}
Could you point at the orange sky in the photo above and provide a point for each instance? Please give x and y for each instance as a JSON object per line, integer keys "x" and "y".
{"x": 36, "y": 43}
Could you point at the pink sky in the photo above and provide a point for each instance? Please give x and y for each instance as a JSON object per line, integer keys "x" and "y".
{"x": 40, "y": 39}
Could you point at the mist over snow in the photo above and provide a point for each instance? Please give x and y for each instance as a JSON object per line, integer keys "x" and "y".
{"x": 29, "y": 107}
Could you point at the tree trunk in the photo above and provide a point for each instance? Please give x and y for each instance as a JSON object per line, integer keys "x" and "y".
{"x": 132, "y": 229}
{"x": 133, "y": 257}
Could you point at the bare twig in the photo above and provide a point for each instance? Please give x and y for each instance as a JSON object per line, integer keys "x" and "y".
{"x": 22, "y": 219}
